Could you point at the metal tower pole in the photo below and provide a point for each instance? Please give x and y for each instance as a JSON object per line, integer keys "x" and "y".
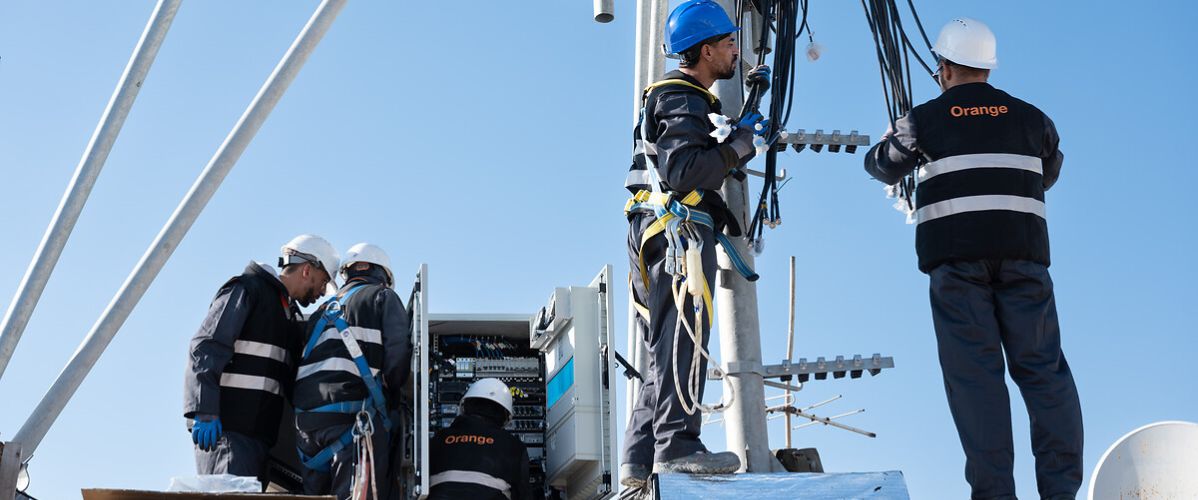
{"x": 39, "y": 422}
{"x": 649, "y": 67}
{"x": 736, "y": 303}
{"x": 86, "y": 172}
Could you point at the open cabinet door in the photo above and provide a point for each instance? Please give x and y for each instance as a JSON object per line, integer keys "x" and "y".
{"x": 574, "y": 331}
{"x": 417, "y": 423}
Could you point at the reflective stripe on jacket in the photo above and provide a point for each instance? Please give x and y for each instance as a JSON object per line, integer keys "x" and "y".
{"x": 990, "y": 159}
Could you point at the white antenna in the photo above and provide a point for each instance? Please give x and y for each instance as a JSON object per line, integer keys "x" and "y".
{"x": 1157, "y": 460}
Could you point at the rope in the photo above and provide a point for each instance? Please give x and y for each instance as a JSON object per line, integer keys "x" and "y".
{"x": 691, "y": 283}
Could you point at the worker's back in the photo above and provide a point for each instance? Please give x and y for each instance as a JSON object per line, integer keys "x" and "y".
{"x": 971, "y": 126}
{"x": 476, "y": 459}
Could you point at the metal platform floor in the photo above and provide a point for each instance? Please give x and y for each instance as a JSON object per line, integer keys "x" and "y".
{"x": 888, "y": 485}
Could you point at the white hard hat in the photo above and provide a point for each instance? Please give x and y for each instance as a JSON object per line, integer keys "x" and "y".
{"x": 491, "y": 389}
{"x": 367, "y": 252}
{"x": 314, "y": 250}
{"x": 967, "y": 42}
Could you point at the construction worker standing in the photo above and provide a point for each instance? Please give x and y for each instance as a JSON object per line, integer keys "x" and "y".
{"x": 242, "y": 360}
{"x": 982, "y": 238}
{"x": 678, "y": 165}
{"x": 475, "y": 458}
{"x": 355, "y": 362}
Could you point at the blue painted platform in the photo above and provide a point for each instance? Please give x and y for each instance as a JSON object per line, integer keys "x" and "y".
{"x": 888, "y": 485}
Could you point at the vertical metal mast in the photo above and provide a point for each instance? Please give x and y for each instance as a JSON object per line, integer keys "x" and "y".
{"x": 47, "y": 411}
{"x": 736, "y": 303}
{"x": 48, "y": 252}
{"x": 650, "y": 66}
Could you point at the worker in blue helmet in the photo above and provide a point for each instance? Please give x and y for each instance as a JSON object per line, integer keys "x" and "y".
{"x": 675, "y": 157}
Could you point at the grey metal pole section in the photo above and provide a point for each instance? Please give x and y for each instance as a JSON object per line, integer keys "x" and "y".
{"x": 35, "y": 428}
{"x": 86, "y": 172}
{"x": 736, "y": 303}
{"x": 604, "y": 11}
{"x": 790, "y": 342}
{"x": 649, "y": 67}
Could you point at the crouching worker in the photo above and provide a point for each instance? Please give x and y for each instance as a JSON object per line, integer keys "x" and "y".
{"x": 475, "y": 457}
{"x": 242, "y": 360}
{"x": 347, "y": 389}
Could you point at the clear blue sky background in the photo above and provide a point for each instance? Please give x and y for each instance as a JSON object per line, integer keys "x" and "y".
{"x": 490, "y": 140}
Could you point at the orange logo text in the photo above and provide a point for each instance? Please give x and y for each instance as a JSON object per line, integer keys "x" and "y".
{"x": 958, "y": 111}
{"x": 469, "y": 439}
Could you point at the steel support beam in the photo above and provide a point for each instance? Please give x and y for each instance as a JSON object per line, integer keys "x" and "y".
{"x": 86, "y": 172}
{"x": 31, "y": 434}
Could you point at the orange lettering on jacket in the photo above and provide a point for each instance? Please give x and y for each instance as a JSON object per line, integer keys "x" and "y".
{"x": 958, "y": 111}
{"x": 469, "y": 439}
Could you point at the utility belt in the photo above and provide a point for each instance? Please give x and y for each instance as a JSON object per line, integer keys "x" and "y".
{"x": 373, "y": 407}
{"x": 673, "y": 213}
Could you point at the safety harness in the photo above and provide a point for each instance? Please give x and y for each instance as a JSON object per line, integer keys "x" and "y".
{"x": 375, "y": 404}
{"x": 677, "y": 220}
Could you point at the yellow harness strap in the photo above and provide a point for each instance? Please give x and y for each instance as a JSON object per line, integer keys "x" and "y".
{"x": 663, "y": 199}
{"x": 678, "y": 81}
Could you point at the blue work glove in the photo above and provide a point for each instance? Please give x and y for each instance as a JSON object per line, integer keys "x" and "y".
{"x": 206, "y": 432}
{"x": 759, "y": 76}
{"x": 754, "y": 122}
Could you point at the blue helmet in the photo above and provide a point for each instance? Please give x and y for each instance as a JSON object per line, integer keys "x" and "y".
{"x": 695, "y": 21}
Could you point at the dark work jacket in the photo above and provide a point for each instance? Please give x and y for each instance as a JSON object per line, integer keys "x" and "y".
{"x": 379, "y": 323}
{"x": 687, "y": 157}
{"x": 242, "y": 360}
{"x": 981, "y": 196}
{"x": 472, "y": 444}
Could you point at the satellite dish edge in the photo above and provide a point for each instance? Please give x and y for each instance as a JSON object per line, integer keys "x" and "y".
{"x": 1155, "y": 461}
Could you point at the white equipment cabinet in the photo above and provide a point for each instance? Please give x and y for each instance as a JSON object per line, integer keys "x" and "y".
{"x": 559, "y": 364}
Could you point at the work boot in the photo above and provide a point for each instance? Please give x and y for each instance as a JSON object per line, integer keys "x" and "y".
{"x": 633, "y": 475}
{"x": 702, "y": 462}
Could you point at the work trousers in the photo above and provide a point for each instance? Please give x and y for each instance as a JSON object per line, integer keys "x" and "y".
{"x": 659, "y": 429}
{"x": 338, "y": 480}
{"x": 236, "y": 454}
{"x": 981, "y": 310}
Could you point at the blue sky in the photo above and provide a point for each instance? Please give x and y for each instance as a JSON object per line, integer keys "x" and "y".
{"x": 490, "y": 140}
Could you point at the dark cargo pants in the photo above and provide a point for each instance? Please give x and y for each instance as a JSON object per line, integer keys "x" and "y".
{"x": 339, "y": 479}
{"x": 236, "y": 454}
{"x": 981, "y": 310}
{"x": 658, "y": 429}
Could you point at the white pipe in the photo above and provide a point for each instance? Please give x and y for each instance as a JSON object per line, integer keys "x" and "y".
{"x": 86, "y": 172}
{"x": 604, "y": 11}
{"x": 51, "y": 405}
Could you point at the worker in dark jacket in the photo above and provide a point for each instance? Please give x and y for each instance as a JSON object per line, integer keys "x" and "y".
{"x": 982, "y": 237}
{"x": 242, "y": 360}
{"x": 675, "y": 156}
{"x": 365, "y": 326}
{"x": 475, "y": 458}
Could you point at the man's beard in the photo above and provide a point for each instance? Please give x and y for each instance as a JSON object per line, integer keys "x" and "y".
{"x": 728, "y": 72}
{"x": 308, "y": 298}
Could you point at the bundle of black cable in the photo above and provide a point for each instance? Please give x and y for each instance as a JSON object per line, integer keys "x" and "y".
{"x": 894, "y": 56}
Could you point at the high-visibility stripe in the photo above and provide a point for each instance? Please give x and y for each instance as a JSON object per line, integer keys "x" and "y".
{"x": 252, "y": 382}
{"x": 642, "y": 147}
{"x": 978, "y": 203}
{"x": 261, "y": 350}
{"x": 360, "y": 334}
{"x": 638, "y": 178}
{"x": 985, "y": 160}
{"x": 331, "y": 365}
{"x": 471, "y": 477}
